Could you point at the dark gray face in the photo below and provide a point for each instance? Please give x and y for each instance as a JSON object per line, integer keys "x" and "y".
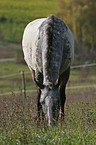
{"x": 50, "y": 103}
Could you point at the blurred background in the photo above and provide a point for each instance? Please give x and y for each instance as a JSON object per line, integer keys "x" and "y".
{"x": 79, "y": 16}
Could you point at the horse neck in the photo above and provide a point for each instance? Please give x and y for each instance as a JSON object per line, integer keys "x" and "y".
{"x": 52, "y": 51}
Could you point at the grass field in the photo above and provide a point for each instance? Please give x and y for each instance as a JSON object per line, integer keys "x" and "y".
{"x": 17, "y": 115}
{"x": 15, "y": 15}
{"x": 8, "y": 50}
{"x": 18, "y": 124}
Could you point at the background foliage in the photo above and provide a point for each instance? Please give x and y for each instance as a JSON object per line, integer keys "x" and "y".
{"x": 78, "y": 15}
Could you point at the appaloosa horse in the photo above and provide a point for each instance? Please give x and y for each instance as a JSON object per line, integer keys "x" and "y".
{"x": 48, "y": 47}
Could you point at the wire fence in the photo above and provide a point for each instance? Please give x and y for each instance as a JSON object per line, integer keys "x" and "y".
{"x": 72, "y": 67}
{"x": 30, "y": 90}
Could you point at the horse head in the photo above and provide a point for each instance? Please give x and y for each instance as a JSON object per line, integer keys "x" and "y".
{"x": 50, "y": 101}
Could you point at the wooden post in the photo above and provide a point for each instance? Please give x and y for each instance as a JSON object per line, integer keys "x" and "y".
{"x": 23, "y": 84}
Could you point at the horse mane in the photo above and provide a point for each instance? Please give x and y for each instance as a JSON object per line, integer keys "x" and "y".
{"x": 46, "y": 34}
{"x": 50, "y": 42}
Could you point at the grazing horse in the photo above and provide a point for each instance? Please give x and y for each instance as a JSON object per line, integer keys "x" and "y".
{"x": 48, "y": 47}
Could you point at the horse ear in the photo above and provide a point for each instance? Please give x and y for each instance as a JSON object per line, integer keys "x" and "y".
{"x": 41, "y": 86}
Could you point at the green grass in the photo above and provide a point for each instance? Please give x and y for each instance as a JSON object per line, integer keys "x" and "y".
{"x": 19, "y": 10}
{"x": 18, "y": 124}
{"x": 8, "y": 68}
{"x": 15, "y": 15}
{"x": 17, "y": 115}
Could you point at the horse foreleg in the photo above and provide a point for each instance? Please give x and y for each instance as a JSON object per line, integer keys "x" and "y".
{"x": 63, "y": 81}
{"x": 39, "y": 77}
{"x": 62, "y": 99}
{"x": 39, "y": 107}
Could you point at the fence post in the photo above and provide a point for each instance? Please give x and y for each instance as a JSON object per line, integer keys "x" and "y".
{"x": 23, "y": 84}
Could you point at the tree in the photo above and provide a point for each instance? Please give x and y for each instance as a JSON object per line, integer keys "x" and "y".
{"x": 80, "y": 17}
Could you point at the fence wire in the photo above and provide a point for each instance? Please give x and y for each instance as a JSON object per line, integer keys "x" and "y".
{"x": 34, "y": 90}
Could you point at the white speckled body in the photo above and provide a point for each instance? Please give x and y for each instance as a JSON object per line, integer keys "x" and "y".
{"x": 65, "y": 39}
{"x": 30, "y": 37}
{"x": 48, "y": 47}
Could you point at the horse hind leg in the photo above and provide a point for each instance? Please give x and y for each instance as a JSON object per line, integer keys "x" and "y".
{"x": 63, "y": 81}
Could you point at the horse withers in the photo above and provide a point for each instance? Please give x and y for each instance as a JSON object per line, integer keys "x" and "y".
{"x": 48, "y": 47}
